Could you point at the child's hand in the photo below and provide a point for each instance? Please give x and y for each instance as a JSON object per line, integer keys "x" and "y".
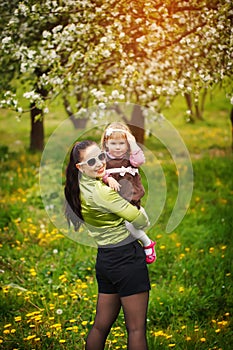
{"x": 132, "y": 142}
{"x": 112, "y": 183}
{"x": 130, "y": 138}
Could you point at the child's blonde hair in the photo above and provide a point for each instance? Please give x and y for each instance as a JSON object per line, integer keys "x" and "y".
{"x": 114, "y": 130}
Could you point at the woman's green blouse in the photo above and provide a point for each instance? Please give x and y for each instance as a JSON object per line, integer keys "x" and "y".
{"x": 105, "y": 211}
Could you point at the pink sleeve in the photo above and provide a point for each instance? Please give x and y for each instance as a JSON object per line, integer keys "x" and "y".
{"x": 137, "y": 158}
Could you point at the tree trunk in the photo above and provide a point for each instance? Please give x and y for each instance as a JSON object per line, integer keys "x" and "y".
{"x": 37, "y": 129}
{"x": 196, "y": 108}
{"x": 78, "y": 123}
{"x": 203, "y": 99}
{"x": 231, "y": 119}
{"x": 188, "y": 99}
{"x": 198, "y": 113}
{"x": 137, "y": 124}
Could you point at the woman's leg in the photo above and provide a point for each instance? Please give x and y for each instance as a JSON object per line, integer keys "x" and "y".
{"x": 107, "y": 310}
{"x": 135, "y": 312}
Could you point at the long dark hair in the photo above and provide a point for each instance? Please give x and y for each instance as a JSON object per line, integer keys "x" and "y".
{"x": 72, "y": 191}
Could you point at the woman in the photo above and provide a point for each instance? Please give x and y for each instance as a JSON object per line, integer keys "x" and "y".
{"x": 121, "y": 269}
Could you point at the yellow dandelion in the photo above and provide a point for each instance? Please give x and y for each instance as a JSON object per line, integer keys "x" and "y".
{"x": 18, "y": 318}
{"x": 30, "y": 337}
{"x": 171, "y": 345}
{"x": 33, "y": 272}
{"x": 75, "y": 329}
{"x": 223, "y": 201}
{"x": 7, "y": 325}
{"x": 62, "y": 341}
{"x": 203, "y": 340}
{"x": 72, "y": 321}
{"x": 188, "y": 338}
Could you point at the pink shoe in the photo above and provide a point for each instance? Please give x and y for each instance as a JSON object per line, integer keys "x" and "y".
{"x": 151, "y": 257}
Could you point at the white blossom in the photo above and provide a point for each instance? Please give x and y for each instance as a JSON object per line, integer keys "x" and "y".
{"x": 102, "y": 105}
{"x": 31, "y": 95}
{"x": 6, "y": 40}
{"x": 46, "y": 34}
{"x": 104, "y": 39}
{"x": 106, "y": 53}
{"x": 141, "y": 39}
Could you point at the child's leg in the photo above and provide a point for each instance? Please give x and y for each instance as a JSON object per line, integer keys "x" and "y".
{"x": 145, "y": 214}
{"x": 138, "y": 234}
{"x": 145, "y": 240}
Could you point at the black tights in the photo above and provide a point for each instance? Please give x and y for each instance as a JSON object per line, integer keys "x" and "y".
{"x": 107, "y": 310}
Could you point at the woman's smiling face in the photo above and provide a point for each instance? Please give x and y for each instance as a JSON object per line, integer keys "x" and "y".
{"x": 93, "y": 162}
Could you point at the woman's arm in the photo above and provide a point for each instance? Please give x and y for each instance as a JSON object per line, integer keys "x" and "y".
{"x": 111, "y": 201}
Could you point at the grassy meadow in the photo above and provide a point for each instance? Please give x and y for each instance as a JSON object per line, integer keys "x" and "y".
{"x": 48, "y": 287}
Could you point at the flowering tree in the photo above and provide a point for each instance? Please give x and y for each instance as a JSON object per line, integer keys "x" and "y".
{"x": 102, "y": 52}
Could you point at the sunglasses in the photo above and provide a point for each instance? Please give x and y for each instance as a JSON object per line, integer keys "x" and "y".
{"x": 92, "y": 161}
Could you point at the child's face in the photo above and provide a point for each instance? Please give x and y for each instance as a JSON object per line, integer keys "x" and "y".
{"x": 117, "y": 147}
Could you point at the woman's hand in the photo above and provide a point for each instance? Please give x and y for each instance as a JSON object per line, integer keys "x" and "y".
{"x": 112, "y": 183}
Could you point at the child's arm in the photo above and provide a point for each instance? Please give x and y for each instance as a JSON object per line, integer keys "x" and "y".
{"x": 111, "y": 182}
{"x": 137, "y": 157}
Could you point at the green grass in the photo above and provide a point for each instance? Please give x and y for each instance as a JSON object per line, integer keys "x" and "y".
{"x": 48, "y": 292}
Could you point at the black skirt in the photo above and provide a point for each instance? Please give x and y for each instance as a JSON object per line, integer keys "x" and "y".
{"x": 122, "y": 270}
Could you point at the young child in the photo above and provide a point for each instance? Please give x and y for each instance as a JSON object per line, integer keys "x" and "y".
{"x": 123, "y": 157}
